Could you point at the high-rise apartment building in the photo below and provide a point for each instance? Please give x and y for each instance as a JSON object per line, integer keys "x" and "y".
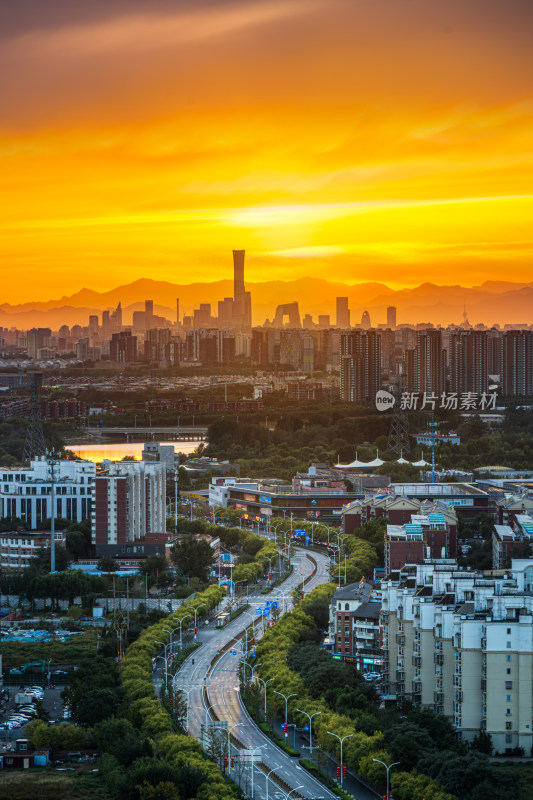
{"x": 177, "y": 311}
{"x": 93, "y": 325}
{"x": 342, "y": 316}
{"x": 426, "y": 364}
{"x": 128, "y": 504}
{"x": 391, "y": 317}
{"x": 123, "y": 348}
{"x": 461, "y": 644}
{"x": 360, "y": 365}
{"x": 148, "y": 313}
{"x": 517, "y": 363}
{"x": 468, "y": 359}
{"x": 37, "y": 339}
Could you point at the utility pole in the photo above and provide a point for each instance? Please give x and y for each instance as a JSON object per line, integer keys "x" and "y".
{"x": 52, "y": 462}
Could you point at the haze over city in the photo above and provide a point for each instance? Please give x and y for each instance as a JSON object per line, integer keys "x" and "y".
{"x": 359, "y": 141}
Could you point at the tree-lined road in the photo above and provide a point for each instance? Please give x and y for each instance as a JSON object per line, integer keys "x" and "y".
{"x": 215, "y": 693}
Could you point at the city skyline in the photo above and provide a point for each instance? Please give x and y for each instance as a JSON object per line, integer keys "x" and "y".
{"x": 370, "y": 142}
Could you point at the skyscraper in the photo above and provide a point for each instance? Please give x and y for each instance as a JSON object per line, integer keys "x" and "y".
{"x": 177, "y": 310}
{"x": 365, "y": 321}
{"x": 469, "y": 370}
{"x": 426, "y": 364}
{"x": 148, "y": 313}
{"x": 391, "y": 317}
{"x": 360, "y": 362}
{"x": 342, "y": 317}
{"x": 242, "y": 301}
{"x": 517, "y": 363}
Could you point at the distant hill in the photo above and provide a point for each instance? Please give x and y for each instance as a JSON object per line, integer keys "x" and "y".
{"x": 492, "y": 302}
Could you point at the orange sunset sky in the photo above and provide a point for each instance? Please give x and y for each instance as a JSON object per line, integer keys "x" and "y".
{"x": 349, "y": 139}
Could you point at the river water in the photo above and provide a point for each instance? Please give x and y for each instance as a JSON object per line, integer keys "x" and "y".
{"x": 117, "y": 451}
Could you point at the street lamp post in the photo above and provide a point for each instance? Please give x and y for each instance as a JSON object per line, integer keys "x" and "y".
{"x": 246, "y": 664}
{"x": 267, "y": 777}
{"x": 301, "y": 786}
{"x": 187, "y": 692}
{"x": 182, "y": 620}
{"x": 202, "y": 605}
{"x": 166, "y": 668}
{"x": 341, "y": 740}
{"x": 265, "y": 688}
{"x": 388, "y": 768}
{"x": 286, "y": 697}
{"x": 229, "y": 742}
{"x": 310, "y": 717}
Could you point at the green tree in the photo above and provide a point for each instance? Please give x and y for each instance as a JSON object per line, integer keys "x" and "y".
{"x": 193, "y": 558}
{"x": 120, "y": 739}
{"x": 107, "y": 564}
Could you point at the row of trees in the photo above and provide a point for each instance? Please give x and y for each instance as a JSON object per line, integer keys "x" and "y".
{"x": 143, "y": 758}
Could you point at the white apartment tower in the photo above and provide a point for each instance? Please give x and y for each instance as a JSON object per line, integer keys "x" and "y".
{"x": 461, "y": 643}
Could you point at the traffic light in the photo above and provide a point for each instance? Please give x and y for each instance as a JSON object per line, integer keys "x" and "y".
{"x": 195, "y": 630}
{"x": 232, "y": 762}
{"x": 344, "y": 770}
{"x": 338, "y": 772}
{"x": 225, "y": 762}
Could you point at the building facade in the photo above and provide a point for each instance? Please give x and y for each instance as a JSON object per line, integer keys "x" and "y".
{"x": 26, "y": 493}
{"x": 461, "y": 643}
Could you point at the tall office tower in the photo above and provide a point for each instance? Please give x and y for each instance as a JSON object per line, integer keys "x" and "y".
{"x": 365, "y": 321}
{"x": 426, "y": 364}
{"x": 360, "y": 362}
{"x": 93, "y": 325}
{"x": 225, "y": 312}
{"x": 148, "y": 313}
{"x": 391, "y": 316}
{"x": 123, "y": 348}
{"x": 242, "y": 301}
{"x": 177, "y": 310}
{"x": 259, "y": 349}
{"x": 342, "y": 317}
{"x": 324, "y": 321}
{"x": 116, "y": 317}
{"x": 105, "y": 323}
{"x": 468, "y": 359}
{"x": 517, "y": 363}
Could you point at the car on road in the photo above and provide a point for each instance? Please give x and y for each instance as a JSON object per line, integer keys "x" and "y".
{"x": 372, "y": 676}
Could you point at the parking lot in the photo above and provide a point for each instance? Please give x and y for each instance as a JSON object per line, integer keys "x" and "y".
{"x": 52, "y": 702}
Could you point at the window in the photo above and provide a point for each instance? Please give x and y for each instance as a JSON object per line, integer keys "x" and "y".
{"x": 508, "y": 698}
{"x": 346, "y": 606}
{"x": 508, "y": 631}
{"x": 508, "y": 712}
{"x": 508, "y": 670}
{"x": 508, "y": 738}
{"x": 508, "y": 658}
{"x": 508, "y": 684}
{"x": 508, "y": 645}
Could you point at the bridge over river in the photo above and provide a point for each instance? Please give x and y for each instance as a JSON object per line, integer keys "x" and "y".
{"x": 151, "y": 434}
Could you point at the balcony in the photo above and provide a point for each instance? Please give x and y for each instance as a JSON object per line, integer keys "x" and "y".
{"x": 438, "y": 697}
{"x": 416, "y": 661}
{"x": 438, "y": 658}
{"x": 400, "y": 675}
{"x": 400, "y": 638}
{"x": 417, "y": 685}
{"x": 458, "y": 697}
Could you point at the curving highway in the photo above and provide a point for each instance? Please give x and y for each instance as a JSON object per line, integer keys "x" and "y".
{"x": 214, "y": 701}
